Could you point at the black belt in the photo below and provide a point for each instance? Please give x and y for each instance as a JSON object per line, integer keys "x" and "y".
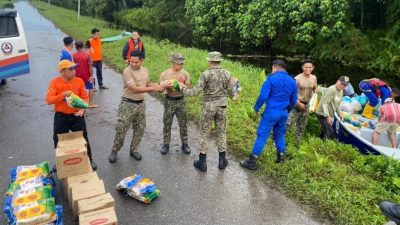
{"x": 174, "y": 98}
{"x": 131, "y": 100}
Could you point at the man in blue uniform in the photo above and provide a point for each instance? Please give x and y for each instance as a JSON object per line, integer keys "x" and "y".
{"x": 279, "y": 94}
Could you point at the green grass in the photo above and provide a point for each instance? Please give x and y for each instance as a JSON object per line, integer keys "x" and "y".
{"x": 332, "y": 178}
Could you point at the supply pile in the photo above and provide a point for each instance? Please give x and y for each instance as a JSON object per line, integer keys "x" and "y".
{"x": 142, "y": 189}
{"x": 83, "y": 189}
{"x": 29, "y": 199}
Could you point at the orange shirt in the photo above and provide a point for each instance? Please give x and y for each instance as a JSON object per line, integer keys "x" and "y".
{"x": 56, "y": 89}
{"x": 96, "y": 51}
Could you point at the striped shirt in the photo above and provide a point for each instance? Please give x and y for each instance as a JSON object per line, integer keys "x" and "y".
{"x": 390, "y": 113}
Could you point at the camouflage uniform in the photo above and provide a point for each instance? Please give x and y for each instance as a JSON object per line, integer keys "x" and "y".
{"x": 216, "y": 85}
{"x": 298, "y": 118}
{"x": 175, "y": 107}
{"x": 130, "y": 115}
{"x": 132, "y": 110}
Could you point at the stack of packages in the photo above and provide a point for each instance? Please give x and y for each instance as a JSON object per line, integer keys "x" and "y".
{"x": 30, "y": 197}
{"x": 142, "y": 189}
{"x": 84, "y": 190}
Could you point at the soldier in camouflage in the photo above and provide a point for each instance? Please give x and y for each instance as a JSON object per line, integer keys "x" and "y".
{"x": 306, "y": 86}
{"x": 217, "y": 85}
{"x": 132, "y": 110}
{"x": 174, "y": 104}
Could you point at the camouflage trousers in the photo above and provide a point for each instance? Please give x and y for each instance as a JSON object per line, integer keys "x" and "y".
{"x": 210, "y": 115}
{"x": 174, "y": 108}
{"x": 130, "y": 115}
{"x": 299, "y": 120}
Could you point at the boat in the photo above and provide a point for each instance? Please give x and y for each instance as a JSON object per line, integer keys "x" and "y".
{"x": 360, "y": 138}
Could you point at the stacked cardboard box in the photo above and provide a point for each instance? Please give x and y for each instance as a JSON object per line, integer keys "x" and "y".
{"x": 84, "y": 190}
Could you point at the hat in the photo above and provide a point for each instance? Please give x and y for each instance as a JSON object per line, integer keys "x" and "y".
{"x": 345, "y": 80}
{"x": 389, "y": 100}
{"x": 66, "y": 64}
{"x": 214, "y": 57}
{"x": 177, "y": 58}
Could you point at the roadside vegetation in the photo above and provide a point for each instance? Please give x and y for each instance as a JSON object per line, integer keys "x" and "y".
{"x": 331, "y": 178}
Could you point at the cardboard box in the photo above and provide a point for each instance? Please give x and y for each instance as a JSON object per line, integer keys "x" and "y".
{"x": 65, "y": 183}
{"x": 72, "y": 161}
{"x": 95, "y": 203}
{"x": 101, "y": 217}
{"x": 84, "y": 191}
{"x": 72, "y": 138}
{"x": 78, "y": 180}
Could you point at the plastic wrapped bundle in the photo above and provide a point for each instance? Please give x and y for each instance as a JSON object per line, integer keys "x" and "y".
{"x": 34, "y": 182}
{"x": 74, "y": 101}
{"x": 142, "y": 189}
{"x": 175, "y": 85}
{"x": 313, "y": 104}
{"x": 41, "y": 212}
{"x": 25, "y": 172}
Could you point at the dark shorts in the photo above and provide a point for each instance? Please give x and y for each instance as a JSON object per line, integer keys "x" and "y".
{"x": 88, "y": 85}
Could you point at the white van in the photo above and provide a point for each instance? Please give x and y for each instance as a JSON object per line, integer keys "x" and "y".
{"x": 14, "y": 58}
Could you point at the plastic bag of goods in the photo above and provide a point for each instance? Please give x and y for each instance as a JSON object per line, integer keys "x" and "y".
{"x": 313, "y": 104}
{"x": 41, "y": 212}
{"x": 74, "y": 101}
{"x": 346, "y": 105}
{"x": 142, "y": 189}
{"x": 25, "y": 172}
{"x": 34, "y": 182}
{"x": 357, "y": 107}
{"x": 362, "y": 99}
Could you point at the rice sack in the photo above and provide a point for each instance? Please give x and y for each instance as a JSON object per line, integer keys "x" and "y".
{"x": 74, "y": 101}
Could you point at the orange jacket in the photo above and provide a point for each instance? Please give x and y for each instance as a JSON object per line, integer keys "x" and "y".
{"x": 55, "y": 93}
{"x": 132, "y": 47}
{"x": 96, "y": 51}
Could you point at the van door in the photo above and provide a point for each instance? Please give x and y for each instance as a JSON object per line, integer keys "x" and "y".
{"x": 14, "y": 58}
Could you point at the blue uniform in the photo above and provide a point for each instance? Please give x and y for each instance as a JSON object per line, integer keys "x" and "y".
{"x": 279, "y": 94}
{"x": 369, "y": 90}
{"x": 65, "y": 54}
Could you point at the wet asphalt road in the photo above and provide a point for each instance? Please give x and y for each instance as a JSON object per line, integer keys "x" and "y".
{"x": 233, "y": 196}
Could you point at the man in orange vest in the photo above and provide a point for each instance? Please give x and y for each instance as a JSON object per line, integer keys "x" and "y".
{"x": 134, "y": 43}
{"x": 95, "y": 50}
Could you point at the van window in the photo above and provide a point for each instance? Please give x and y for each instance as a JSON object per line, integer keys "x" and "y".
{"x": 8, "y": 27}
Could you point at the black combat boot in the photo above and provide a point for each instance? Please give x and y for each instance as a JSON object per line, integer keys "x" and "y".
{"x": 186, "y": 149}
{"x": 201, "y": 163}
{"x": 136, "y": 155}
{"x": 250, "y": 163}
{"x": 113, "y": 157}
{"x": 391, "y": 211}
{"x": 280, "y": 158}
{"x": 164, "y": 149}
{"x": 223, "y": 162}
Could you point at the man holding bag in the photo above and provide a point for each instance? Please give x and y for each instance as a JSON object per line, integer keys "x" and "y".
{"x": 306, "y": 86}
{"x": 66, "y": 118}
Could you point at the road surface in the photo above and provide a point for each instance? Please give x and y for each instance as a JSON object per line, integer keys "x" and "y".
{"x": 233, "y": 196}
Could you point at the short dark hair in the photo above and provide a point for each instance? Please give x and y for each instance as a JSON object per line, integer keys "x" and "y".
{"x": 95, "y": 30}
{"x": 136, "y": 53}
{"x": 68, "y": 40}
{"x": 308, "y": 60}
{"x": 78, "y": 45}
{"x": 279, "y": 63}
